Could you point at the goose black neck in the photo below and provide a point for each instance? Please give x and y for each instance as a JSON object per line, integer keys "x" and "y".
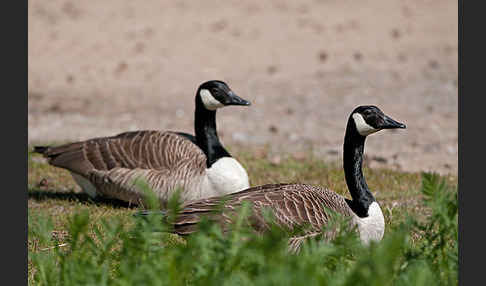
{"x": 353, "y": 161}
{"x": 206, "y": 135}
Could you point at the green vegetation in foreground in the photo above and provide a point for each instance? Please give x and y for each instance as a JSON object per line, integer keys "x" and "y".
{"x": 74, "y": 240}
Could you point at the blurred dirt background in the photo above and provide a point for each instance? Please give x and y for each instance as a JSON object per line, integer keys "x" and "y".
{"x": 98, "y": 68}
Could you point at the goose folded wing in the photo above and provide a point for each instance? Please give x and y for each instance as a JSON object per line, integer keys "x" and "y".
{"x": 138, "y": 149}
{"x": 292, "y": 206}
{"x": 132, "y": 184}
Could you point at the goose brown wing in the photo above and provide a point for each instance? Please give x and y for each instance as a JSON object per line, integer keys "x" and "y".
{"x": 124, "y": 184}
{"x": 292, "y": 205}
{"x": 138, "y": 149}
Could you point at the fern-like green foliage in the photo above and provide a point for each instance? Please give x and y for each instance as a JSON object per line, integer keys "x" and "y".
{"x": 441, "y": 227}
{"x": 109, "y": 253}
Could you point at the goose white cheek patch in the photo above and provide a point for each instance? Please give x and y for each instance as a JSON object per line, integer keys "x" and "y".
{"x": 209, "y": 101}
{"x": 363, "y": 128}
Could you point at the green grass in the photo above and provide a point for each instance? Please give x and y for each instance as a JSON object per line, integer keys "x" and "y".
{"x": 74, "y": 240}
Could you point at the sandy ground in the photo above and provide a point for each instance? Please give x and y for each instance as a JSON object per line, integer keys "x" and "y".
{"x": 97, "y": 68}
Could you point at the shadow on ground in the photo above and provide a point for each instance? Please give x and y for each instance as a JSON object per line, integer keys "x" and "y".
{"x": 43, "y": 195}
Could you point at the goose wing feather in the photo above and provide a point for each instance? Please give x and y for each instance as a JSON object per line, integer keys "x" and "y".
{"x": 292, "y": 205}
{"x": 122, "y": 183}
{"x": 153, "y": 150}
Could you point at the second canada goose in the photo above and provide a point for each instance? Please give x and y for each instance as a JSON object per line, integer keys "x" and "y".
{"x": 295, "y": 205}
{"x": 166, "y": 161}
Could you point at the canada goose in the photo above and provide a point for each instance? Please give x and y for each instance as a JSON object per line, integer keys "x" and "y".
{"x": 296, "y": 205}
{"x": 199, "y": 164}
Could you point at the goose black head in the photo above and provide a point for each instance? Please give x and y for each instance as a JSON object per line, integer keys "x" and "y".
{"x": 215, "y": 94}
{"x": 369, "y": 119}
